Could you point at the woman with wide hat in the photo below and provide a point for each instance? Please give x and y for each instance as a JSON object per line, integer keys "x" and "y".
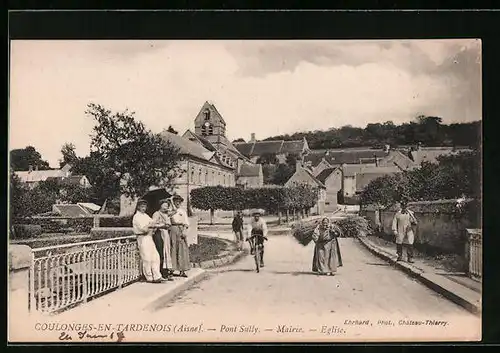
{"x": 161, "y": 218}
{"x": 179, "y": 246}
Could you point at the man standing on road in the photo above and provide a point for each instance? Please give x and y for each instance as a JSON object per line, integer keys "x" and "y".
{"x": 257, "y": 229}
{"x": 402, "y": 227}
{"x": 238, "y": 229}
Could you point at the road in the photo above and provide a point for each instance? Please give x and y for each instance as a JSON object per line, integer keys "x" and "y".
{"x": 286, "y": 291}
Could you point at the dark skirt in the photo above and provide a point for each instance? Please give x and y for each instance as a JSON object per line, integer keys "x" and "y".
{"x": 326, "y": 257}
{"x": 179, "y": 250}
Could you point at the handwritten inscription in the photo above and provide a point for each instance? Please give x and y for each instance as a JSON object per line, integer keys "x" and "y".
{"x": 85, "y": 335}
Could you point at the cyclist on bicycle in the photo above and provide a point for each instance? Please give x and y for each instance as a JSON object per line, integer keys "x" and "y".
{"x": 257, "y": 233}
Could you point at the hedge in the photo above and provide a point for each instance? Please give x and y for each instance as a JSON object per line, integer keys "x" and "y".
{"x": 115, "y": 222}
{"x": 269, "y": 198}
{"x": 26, "y": 231}
{"x": 108, "y": 233}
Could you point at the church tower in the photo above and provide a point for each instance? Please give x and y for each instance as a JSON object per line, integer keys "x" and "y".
{"x": 210, "y": 125}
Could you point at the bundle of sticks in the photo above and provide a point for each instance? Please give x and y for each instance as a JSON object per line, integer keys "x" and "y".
{"x": 303, "y": 230}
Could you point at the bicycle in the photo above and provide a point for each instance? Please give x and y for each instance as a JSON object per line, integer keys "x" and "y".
{"x": 257, "y": 243}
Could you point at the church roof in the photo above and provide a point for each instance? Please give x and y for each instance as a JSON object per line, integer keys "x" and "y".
{"x": 259, "y": 148}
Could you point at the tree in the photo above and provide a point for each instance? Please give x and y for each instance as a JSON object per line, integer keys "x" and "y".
{"x": 16, "y": 197}
{"x": 283, "y": 173}
{"x": 21, "y": 159}
{"x": 129, "y": 154}
{"x": 239, "y": 140}
{"x": 68, "y": 155}
{"x": 172, "y": 130}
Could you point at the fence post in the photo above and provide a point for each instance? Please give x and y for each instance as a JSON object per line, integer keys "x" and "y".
{"x": 21, "y": 286}
{"x": 96, "y": 221}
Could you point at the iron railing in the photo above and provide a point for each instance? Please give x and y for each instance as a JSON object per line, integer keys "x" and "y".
{"x": 474, "y": 253}
{"x": 65, "y": 275}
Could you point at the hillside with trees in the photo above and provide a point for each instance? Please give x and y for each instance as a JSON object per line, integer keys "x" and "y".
{"x": 428, "y": 130}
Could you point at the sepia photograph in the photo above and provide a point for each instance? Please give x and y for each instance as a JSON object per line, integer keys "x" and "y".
{"x": 245, "y": 191}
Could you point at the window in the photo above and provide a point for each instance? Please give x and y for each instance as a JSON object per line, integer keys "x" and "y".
{"x": 206, "y": 114}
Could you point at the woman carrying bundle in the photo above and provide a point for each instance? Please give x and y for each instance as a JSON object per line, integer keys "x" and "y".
{"x": 327, "y": 256}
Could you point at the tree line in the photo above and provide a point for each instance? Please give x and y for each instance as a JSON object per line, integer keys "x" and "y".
{"x": 428, "y": 130}
{"x": 274, "y": 199}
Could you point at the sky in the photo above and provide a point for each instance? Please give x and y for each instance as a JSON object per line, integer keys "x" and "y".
{"x": 263, "y": 87}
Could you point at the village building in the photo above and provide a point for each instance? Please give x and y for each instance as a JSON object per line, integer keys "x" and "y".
{"x": 319, "y": 160}
{"x": 254, "y": 150}
{"x": 356, "y": 177}
{"x": 303, "y": 176}
{"x": 332, "y": 179}
{"x": 32, "y": 177}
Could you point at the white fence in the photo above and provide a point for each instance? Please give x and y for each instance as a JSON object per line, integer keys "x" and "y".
{"x": 474, "y": 253}
{"x": 65, "y": 275}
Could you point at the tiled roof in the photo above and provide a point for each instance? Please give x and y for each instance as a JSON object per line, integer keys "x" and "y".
{"x": 430, "y": 154}
{"x": 244, "y": 148}
{"x": 345, "y": 156}
{"x": 325, "y": 173}
{"x": 398, "y": 159}
{"x": 39, "y": 175}
{"x": 71, "y": 210}
{"x": 363, "y": 179}
{"x": 250, "y": 170}
{"x": 186, "y": 146}
{"x": 292, "y": 146}
{"x": 305, "y": 176}
{"x": 350, "y": 170}
{"x": 258, "y": 148}
{"x": 267, "y": 147}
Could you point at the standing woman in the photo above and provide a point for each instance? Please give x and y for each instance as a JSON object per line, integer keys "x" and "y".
{"x": 143, "y": 227}
{"x": 161, "y": 218}
{"x": 327, "y": 256}
{"x": 179, "y": 245}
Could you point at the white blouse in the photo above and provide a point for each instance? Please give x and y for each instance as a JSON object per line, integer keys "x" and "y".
{"x": 180, "y": 217}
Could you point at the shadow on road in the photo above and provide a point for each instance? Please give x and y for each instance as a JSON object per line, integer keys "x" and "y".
{"x": 378, "y": 264}
{"x": 294, "y": 273}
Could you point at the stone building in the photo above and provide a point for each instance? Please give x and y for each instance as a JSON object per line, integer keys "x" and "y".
{"x": 303, "y": 176}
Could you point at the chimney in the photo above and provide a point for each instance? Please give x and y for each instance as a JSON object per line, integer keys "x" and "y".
{"x": 252, "y": 137}
{"x": 30, "y": 168}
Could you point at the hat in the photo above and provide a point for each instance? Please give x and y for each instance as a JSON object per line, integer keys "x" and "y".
{"x": 256, "y": 213}
{"x": 162, "y": 201}
{"x": 177, "y": 198}
{"x": 142, "y": 202}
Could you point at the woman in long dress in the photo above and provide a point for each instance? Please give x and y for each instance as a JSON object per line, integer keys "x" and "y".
{"x": 179, "y": 245}
{"x": 161, "y": 218}
{"x": 327, "y": 256}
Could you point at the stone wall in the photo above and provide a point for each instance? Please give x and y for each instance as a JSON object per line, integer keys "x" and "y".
{"x": 441, "y": 227}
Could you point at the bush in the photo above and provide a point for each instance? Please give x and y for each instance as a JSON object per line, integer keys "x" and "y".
{"x": 354, "y": 226}
{"x": 26, "y": 231}
{"x": 116, "y": 222}
{"x": 108, "y": 233}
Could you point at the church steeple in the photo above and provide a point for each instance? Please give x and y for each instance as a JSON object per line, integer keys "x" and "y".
{"x": 210, "y": 124}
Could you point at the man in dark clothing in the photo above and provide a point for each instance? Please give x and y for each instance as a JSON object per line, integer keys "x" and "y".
{"x": 238, "y": 229}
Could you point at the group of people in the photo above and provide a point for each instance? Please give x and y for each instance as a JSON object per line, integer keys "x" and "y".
{"x": 327, "y": 256}
{"x": 162, "y": 240}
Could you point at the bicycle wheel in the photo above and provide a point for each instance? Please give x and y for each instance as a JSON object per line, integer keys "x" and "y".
{"x": 257, "y": 258}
